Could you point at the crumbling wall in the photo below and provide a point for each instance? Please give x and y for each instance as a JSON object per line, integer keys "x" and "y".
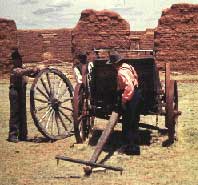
{"x": 147, "y": 40}
{"x": 38, "y": 45}
{"x": 141, "y": 40}
{"x": 30, "y": 45}
{"x": 100, "y": 29}
{"x": 176, "y": 37}
{"x": 8, "y": 40}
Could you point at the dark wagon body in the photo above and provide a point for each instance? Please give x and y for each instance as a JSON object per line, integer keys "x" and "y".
{"x": 98, "y": 97}
{"x": 103, "y": 85}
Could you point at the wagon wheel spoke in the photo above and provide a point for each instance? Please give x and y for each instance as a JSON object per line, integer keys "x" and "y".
{"x": 56, "y": 88}
{"x": 41, "y": 100}
{"x": 66, "y": 100}
{"x": 49, "y": 118}
{"x": 49, "y": 83}
{"x": 49, "y": 110}
{"x": 67, "y": 108}
{"x": 54, "y": 85}
{"x": 59, "y": 87}
{"x": 52, "y": 126}
{"x": 45, "y": 86}
{"x": 44, "y": 95}
{"x": 57, "y": 124}
{"x": 64, "y": 93}
{"x": 63, "y": 124}
{"x": 65, "y": 115}
{"x": 41, "y": 108}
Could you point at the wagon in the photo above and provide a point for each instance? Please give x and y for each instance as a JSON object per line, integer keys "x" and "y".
{"x": 97, "y": 97}
{"x": 59, "y": 111}
{"x": 66, "y": 111}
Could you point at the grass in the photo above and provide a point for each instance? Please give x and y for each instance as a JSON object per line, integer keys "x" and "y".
{"x": 34, "y": 163}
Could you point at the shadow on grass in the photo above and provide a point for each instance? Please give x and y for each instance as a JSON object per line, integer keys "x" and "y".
{"x": 40, "y": 140}
{"x": 116, "y": 141}
{"x": 162, "y": 131}
{"x": 116, "y": 138}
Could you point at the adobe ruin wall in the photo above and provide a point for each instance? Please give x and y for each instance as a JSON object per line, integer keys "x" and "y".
{"x": 100, "y": 29}
{"x": 176, "y": 37}
{"x": 39, "y": 45}
{"x": 8, "y": 40}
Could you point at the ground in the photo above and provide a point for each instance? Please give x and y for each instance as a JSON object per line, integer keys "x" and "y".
{"x": 34, "y": 163}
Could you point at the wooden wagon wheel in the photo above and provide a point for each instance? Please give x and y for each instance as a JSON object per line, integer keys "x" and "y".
{"x": 51, "y": 104}
{"x": 171, "y": 105}
{"x": 82, "y": 120}
{"x": 172, "y": 110}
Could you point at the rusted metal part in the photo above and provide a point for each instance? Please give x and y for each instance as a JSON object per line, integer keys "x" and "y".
{"x": 88, "y": 163}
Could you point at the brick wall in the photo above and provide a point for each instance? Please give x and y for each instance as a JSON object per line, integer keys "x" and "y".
{"x": 38, "y": 45}
{"x": 30, "y": 45}
{"x": 141, "y": 40}
{"x": 8, "y": 40}
{"x": 100, "y": 29}
{"x": 176, "y": 37}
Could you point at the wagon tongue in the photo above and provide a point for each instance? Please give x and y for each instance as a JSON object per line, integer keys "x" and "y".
{"x": 89, "y": 164}
{"x": 101, "y": 142}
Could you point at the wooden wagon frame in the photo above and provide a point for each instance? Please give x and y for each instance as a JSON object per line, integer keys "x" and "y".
{"x": 96, "y": 97}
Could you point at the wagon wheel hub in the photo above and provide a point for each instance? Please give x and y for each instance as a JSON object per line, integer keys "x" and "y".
{"x": 55, "y": 103}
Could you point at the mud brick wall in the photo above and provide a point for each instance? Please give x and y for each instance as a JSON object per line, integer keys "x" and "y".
{"x": 135, "y": 37}
{"x": 100, "y": 29}
{"x": 39, "y": 45}
{"x": 8, "y": 40}
{"x": 176, "y": 37}
{"x": 141, "y": 40}
{"x": 147, "y": 40}
{"x": 30, "y": 45}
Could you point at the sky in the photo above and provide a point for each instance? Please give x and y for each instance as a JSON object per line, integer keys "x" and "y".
{"x": 52, "y": 14}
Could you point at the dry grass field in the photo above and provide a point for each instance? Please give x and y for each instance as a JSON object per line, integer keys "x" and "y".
{"x": 33, "y": 162}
